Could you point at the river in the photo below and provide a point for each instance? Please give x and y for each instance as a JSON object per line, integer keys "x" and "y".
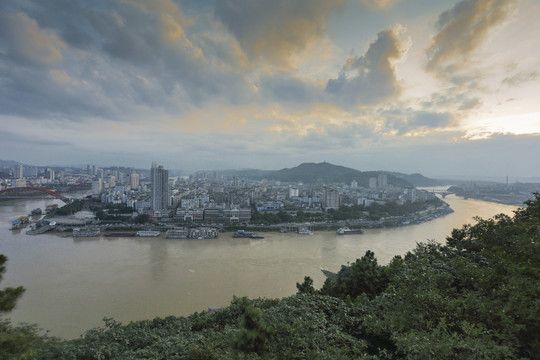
{"x": 72, "y": 284}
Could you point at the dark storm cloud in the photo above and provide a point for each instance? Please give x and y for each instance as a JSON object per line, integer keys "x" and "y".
{"x": 273, "y": 31}
{"x": 24, "y": 43}
{"x": 31, "y": 92}
{"x": 370, "y": 78}
{"x": 71, "y": 19}
{"x": 461, "y": 31}
{"x": 75, "y": 59}
{"x": 285, "y": 88}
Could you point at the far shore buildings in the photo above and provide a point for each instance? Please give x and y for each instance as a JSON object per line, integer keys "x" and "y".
{"x": 160, "y": 187}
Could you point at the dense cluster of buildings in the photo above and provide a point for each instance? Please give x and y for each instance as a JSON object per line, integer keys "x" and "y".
{"x": 210, "y": 197}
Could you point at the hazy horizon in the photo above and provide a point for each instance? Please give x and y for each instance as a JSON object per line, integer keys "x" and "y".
{"x": 185, "y": 172}
{"x": 444, "y": 89}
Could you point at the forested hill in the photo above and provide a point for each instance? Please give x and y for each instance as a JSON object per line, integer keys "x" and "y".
{"x": 329, "y": 173}
{"x": 325, "y": 172}
{"x": 417, "y": 179}
{"x": 477, "y": 297}
{"x": 8, "y": 163}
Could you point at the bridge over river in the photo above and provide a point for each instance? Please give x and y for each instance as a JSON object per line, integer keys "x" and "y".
{"x": 442, "y": 193}
{"x": 30, "y": 192}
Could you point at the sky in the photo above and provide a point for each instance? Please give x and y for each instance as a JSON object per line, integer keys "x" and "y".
{"x": 443, "y": 88}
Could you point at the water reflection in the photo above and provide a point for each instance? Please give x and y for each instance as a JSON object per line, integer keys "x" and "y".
{"x": 158, "y": 259}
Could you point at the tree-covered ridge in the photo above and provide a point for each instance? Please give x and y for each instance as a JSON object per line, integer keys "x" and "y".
{"x": 330, "y": 173}
{"x": 477, "y": 297}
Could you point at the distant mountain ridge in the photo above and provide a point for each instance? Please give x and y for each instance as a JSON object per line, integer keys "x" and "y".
{"x": 417, "y": 179}
{"x": 329, "y": 173}
{"x": 8, "y": 163}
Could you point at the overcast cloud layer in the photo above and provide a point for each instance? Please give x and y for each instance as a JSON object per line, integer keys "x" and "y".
{"x": 438, "y": 88}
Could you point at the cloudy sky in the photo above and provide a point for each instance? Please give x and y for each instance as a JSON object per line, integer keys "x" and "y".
{"x": 438, "y": 87}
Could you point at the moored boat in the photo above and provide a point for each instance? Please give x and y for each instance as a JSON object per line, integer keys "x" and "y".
{"x": 119, "y": 234}
{"x": 242, "y": 234}
{"x": 86, "y": 232}
{"x": 347, "y": 231}
{"x": 16, "y": 225}
{"x": 148, "y": 233}
{"x": 304, "y": 231}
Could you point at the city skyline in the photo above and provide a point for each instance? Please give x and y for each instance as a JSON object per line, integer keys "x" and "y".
{"x": 439, "y": 88}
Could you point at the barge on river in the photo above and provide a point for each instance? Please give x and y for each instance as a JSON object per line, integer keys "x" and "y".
{"x": 347, "y": 231}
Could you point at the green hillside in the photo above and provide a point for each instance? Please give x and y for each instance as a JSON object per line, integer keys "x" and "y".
{"x": 329, "y": 173}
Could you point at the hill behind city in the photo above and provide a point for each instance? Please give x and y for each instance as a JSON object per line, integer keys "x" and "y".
{"x": 329, "y": 173}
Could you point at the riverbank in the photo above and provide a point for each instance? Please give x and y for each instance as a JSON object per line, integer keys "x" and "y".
{"x": 65, "y": 225}
{"x": 503, "y": 199}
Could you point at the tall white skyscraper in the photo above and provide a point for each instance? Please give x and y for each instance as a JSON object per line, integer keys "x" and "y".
{"x": 160, "y": 187}
{"x": 19, "y": 170}
{"x": 134, "y": 180}
{"x": 97, "y": 187}
{"x": 382, "y": 181}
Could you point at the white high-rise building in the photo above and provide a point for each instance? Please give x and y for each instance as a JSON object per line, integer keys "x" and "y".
{"x": 160, "y": 187}
{"x": 293, "y": 192}
{"x": 134, "y": 180}
{"x": 91, "y": 169}
{"x": 50, "y": 173}
{"x": 111, "y": 180}
{"x": 97, "y": 187}
{"x": 19, "y": 171}
{"x": 382, "y": 181}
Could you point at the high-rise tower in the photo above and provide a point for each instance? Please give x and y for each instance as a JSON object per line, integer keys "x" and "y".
{"x": 330, "y": 198}
{"x": 134, "y": 180}
{"x": 160, "y": 187}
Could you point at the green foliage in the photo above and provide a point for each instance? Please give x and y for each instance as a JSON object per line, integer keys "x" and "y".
{"x": 116, "y": 209}
{"x": 19, "y": 342}
{"x": 270, "y": 218}
{"x": 363, "y": 276}
{"x": 9, "y": 295}
{"x": 254, "y": 332}
{"x": 306, "y": 287}
{"x": 531, "y": 211}
{"x": 116, "y": 213}
{"x": 70, "y": 209}
{"x": 16, "y": 342}
{"x": 142, "y": 219}
{"x": 377, "y": 210}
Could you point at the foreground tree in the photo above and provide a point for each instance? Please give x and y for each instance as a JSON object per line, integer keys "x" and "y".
{"x": 15, "y": 341}
{"x": 9, "y": 295}
{"x": 254, "y": 332}
{"x": 364, "y": 276}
